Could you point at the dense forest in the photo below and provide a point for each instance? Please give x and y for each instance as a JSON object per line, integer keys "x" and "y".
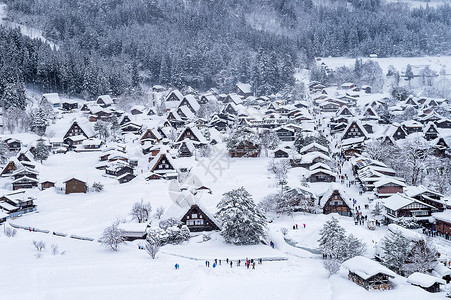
{"x": 112, "y": 46}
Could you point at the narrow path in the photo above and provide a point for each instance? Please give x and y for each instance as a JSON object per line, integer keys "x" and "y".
{"x": 294, "y": 244}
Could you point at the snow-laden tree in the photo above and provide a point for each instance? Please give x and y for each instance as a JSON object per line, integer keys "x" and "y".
{"x": 39, "y": 122}
{"x": 294, "y": 200}
{"x": 207, "y": 110}
{"x": 243, "y": 139}
{"x": 331, "y": 239}
{"x": 439, "y": 174}
{"x": 111, "y": 237}
{"x": 242, "y": 223}
{"x": 97, "y": 186}
{"x": 422, "y": 258}
{"x": 41, "y": 151}
{"x": 352, "y": 247}
{"x": 5, "y": 154}
{"x": 377, "y": 211}
{"x": 269, "y": 140}
{"x": 396, "y": 250}
{"x": 279, "y": 168}
{"x": 103, "y": 129}
{"x": 268, "y": 203}
{"x": 302, "y": 141}
{"x": 141, "y": 211}
{"x": 378, "y": 150}
{"x": 412, "y": 159}
{"x": 334, "y": 243}
{"x": 170, "y": 235}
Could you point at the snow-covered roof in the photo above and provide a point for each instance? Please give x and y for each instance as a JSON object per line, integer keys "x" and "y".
{"x": 441, "y": 270}
{"x": 366, "y": 268}
{"x": 244, "y": 87}
{"x": 335, "y": 187}
{"x": 193, "y": 102}
{"x": 319, "y": 166}
{"x": 397, "y": 201}
{"x": 407, "y": 233}
{"x": 424, "y": 280}
{"x": 314, "y": 144}
{"x": 106, "y": 99}
{"x": 133, "y": 227}
{"x": 235, "y": 98}
{"x": 386, "y": 180}
{"x": 53, "y": 98}
{"x": 413, "y": 191}
{"x": 310, "y": 156}
{"x": 443, "y": 216}
{"x": 187, "y": 112}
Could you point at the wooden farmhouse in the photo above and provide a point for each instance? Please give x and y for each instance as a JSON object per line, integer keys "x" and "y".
{"x": 355, "y": 129}
{"x": 335, "y": 200}
{"x": 133, "y": 231}
{"x": 105, "y": 101}
{"x": 199, "y": 219}
{"x": 25, "y": 179}
{"x": 163, "y": 164}
{"x": 190, "y": 102}
{"x": 426, "y": 282}
{"x": 74, "y": 185}
{"x": 401, "y": 206}
{"x": 368, "y": 273}
{"x": 192, "y": 133}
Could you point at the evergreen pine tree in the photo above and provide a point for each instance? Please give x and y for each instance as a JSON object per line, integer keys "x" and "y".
{"x": 332, "y": 238}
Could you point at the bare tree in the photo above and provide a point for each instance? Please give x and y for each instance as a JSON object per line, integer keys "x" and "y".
{"x": 331, "y": 265}
{"x": 280, "y": 170}
{"x": 141, "y": 211}
{"x": 112, "y": 237}
{"x": 55, "y": 249}
{"x": 159, "y": 212}
{"x": 152, "y": 247}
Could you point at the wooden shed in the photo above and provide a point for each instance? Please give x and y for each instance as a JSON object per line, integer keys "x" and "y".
{"x": 426, "y": 282}
{"x": 74, "y": 185}
{"x": 368, "y": 273}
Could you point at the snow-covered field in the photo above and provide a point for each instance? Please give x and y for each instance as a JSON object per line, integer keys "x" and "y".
{"x": 88, "y": 271}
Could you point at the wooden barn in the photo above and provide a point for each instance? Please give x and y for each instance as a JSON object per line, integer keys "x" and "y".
{"x": 368, "y": 273}
{"x": 386, "y": 186}
{"x": 74, "y": 185}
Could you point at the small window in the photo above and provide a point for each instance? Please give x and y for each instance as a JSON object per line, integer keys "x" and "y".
{"x": 194, "y": 216}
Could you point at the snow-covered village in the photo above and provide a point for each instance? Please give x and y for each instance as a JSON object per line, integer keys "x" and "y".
{"x": 131, "y": 171}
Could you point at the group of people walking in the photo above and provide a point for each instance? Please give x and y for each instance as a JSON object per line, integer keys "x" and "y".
{"x": 248, "y": 263}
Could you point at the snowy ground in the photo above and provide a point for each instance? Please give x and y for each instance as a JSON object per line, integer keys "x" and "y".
{"x": 88, "y": 271}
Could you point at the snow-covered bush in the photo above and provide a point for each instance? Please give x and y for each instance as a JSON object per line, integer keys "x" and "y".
{"x": 206, "y": 237}
{"x": 111, "y": 237}
{"x": 410, "y": 223}
{"x": 170, "y": 235}
{"x": 164, "y": 224}
{"x": 241, "y": 221}
{"x": 284, "y": 230}
{"x": 97, "y": 186}
{"x": 39, "y": 245}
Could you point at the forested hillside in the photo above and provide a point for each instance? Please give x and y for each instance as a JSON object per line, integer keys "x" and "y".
{"x": 111, "y": 46}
